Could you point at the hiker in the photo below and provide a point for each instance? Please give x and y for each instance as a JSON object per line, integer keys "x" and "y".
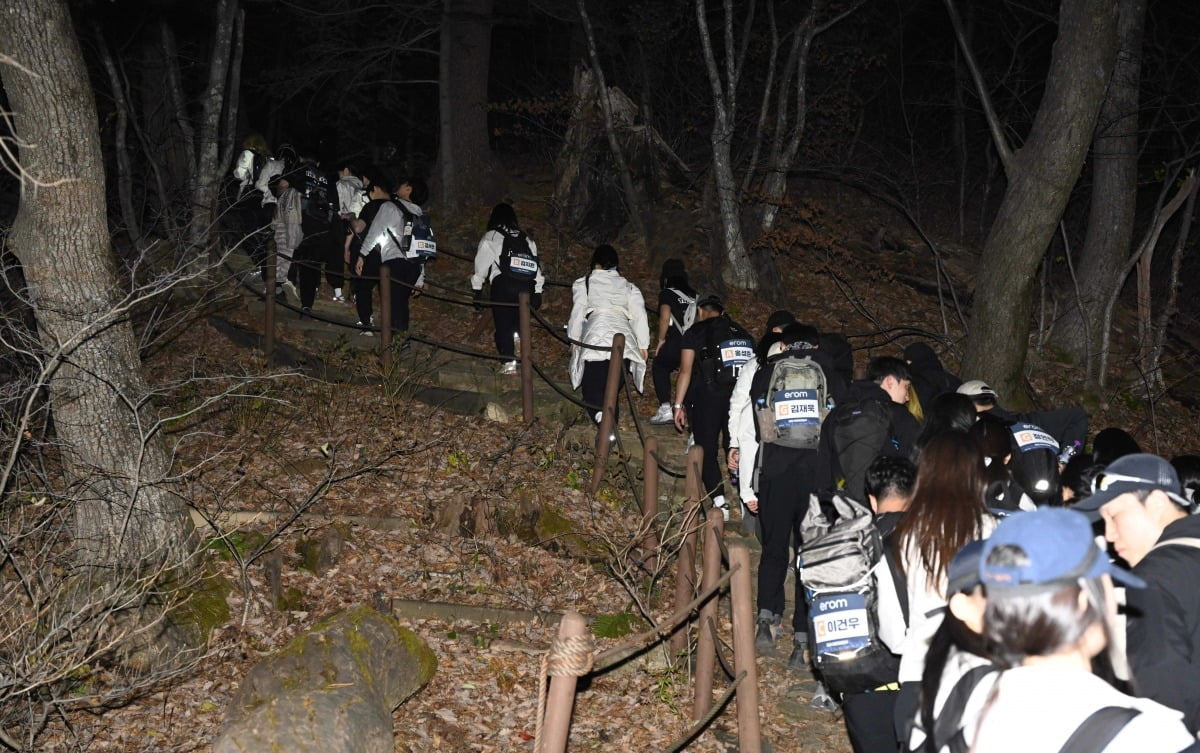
{"x": 320, "y": 247}
{"x": 888, "y": 484}
{"x": 1068, "y": 426}
{"x": 604, "y": 304}
{"x": 1146, "y": 518}
{"x": 676, "y": 312}
{"x": 288, "y": 233}
{"x": 406, "y": 267}
{"x": 871, "y": 420}
{"x": 946, "y": 512}
{"x": 1002, "y": 494}
{"x": 1048, "y": 614}
{"x": 949, "y": 411}
{"x": 365, "y": 263}
{"x": 351, "y": 198}
{"x": 741, "y": 413}
{"x": 712, "y": 352}
{"x": 507, "y": 260}
{"x": 778, "y": 454}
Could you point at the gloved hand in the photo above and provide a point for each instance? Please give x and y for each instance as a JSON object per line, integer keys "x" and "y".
{"x": 477, "y": 301}
{"x": 535, "y": 301}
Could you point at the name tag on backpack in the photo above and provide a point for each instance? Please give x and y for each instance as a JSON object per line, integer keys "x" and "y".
{"x": 840, "y": 622}
{"x": 796, "y": 408}
{"x": 522, "y": 266}
{"x": 735, "y": 353}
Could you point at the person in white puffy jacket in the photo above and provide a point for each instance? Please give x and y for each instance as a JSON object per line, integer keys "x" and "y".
{"x": 604, "y": 304}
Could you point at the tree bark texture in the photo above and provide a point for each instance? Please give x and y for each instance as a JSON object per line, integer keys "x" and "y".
{"x": 113, "y": 460}
{"x": 331, "y": 690}
{"x": 467, "y": 172}
{"x": 1113, "y": 201}
{"x": 1042, "y": 174}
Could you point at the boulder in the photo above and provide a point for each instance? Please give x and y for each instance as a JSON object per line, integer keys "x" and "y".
{"x": 331, "y": 690}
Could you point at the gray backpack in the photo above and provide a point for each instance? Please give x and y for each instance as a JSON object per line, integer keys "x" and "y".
{"x": 795, "y": 404}
{"x": 841, "y": 549}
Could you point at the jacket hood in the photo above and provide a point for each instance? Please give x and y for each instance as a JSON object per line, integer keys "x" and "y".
{"x": 921, "y": 357}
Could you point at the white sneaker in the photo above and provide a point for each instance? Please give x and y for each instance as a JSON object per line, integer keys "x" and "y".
{"x": 665, "y": 415}
{"x": 290, "y": 287}
{"x": 338, "y": 297}
{"x": 691, "y": 440}
{"x": 509, "y": 367}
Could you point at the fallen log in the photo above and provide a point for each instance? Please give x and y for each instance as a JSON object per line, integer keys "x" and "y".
{"x": 331, "y": 690}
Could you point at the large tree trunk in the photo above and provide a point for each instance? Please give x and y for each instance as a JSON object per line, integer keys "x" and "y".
{"x": 1114, "y": 195}
{"x": 467, "y": 173}
{"x": 113, "y": 460}
{"x": 1041, "y": 175}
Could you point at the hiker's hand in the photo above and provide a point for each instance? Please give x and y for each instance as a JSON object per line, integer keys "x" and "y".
{"x": 643, "y": 352}
{"x": 417, "y": 289}
{"x": 657, "y": 348}
{"x": 358, "y": 266}
{"x": 733, "y": 457}
{"x": 751, "y": 505}
{"x": 680, "y": 417}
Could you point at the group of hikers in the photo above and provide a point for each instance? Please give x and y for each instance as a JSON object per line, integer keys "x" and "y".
{"x": 966, "y": 577}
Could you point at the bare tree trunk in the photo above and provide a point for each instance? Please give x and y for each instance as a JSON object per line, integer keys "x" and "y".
{"x": 631, "y": 198}
{"x": 736, "y": 269}
{"x": 1041, "y": 175}
{"x": 1113, "y": 201}
{"x": 467, "y": 172}
{"x": 1153, "y": 363}
{"x": 208, "y": 168}
{"x": 120, "y": 146}
{"x": 113, "y": 459}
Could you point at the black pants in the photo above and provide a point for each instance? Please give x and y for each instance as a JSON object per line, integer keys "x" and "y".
{"x": 595, "y": 378}
{"x": 404, "y": 274}
{"x": 508, "y": 318}
{"x": 309, "y": 258}
{"x": 364, "y": 284}
{"x": 904, "y": 709}
{"x": 869, "y": 719}
{"x": 665, "y": 362}
{"x": 785, "y": 484}
{"x": 708, "y": 414}
{"x": 335, "y": 255}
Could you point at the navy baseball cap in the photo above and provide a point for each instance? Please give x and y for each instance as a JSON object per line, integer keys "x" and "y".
{"x": 1130, "y": 473}
{"x": 1058, "y": 548}
{"x": 963, "y": 570}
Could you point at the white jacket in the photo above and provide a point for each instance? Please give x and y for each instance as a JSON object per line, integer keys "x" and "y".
{"x": 351, "y": 197}
{"x": 270, "y": 169}
{"x": 387, "y": 229}
{"x": 487, "y": 261}
{"x": 604, "y": 304}
{"x": 926, "y": 607}
{"x": 742, "y": 432}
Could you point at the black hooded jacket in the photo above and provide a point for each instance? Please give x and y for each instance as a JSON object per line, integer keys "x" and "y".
{"x": 929, "y": 378}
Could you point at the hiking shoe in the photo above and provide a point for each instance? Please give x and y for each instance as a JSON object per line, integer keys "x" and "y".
{"x": 509, "y": 367}
{"x": 367, "y": 333}
{"x": 664, "y": 415}
{"x": 305, "y": 311}
{"x": 290, "y": 287}
{"x": 764, "y": 638}
{"x": 800, "y": 657}
{"x": 821, "y": 699}
{"x": 339, "y": 298}
{"x": 724, "y": 511}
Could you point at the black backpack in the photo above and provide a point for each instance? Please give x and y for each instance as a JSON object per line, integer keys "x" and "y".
{"x": 314, "y": 196}
{"x": 861, "y": 432}
{"x": 517, "y": 260}
{"x": 727, "y": 347}
{"x": 841, "y": 548}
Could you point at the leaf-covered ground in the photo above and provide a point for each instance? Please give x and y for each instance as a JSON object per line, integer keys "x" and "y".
{"x": 350, "y": 452}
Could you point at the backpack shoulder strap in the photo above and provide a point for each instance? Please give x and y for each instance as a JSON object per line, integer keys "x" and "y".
{"x": 1099, "y": 729}
{"x": 949, "y": 718}
{"x": 1189, "y": 542}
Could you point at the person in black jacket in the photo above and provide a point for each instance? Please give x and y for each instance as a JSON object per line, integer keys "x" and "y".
{"x": 1146, "y": 518}
{"x": 851, "y": 451}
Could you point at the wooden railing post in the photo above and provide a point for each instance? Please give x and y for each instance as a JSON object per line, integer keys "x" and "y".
{"x": 685, "y": 571}
{"x": 616, "y": 365}
{"x": 526, "y": 356}
{"x": 269, "y": 317}
{"x": 742, "y": 600}
{"x": 706, "y": 642}
{"x": 561, "y": 698}
{"x": 649, "y": 544}
{"x": 385, "y": 317}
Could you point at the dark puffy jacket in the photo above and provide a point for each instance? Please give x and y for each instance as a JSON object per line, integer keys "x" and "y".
{"x": 929, "y": 378}
{"x": 1164, "y": 625}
